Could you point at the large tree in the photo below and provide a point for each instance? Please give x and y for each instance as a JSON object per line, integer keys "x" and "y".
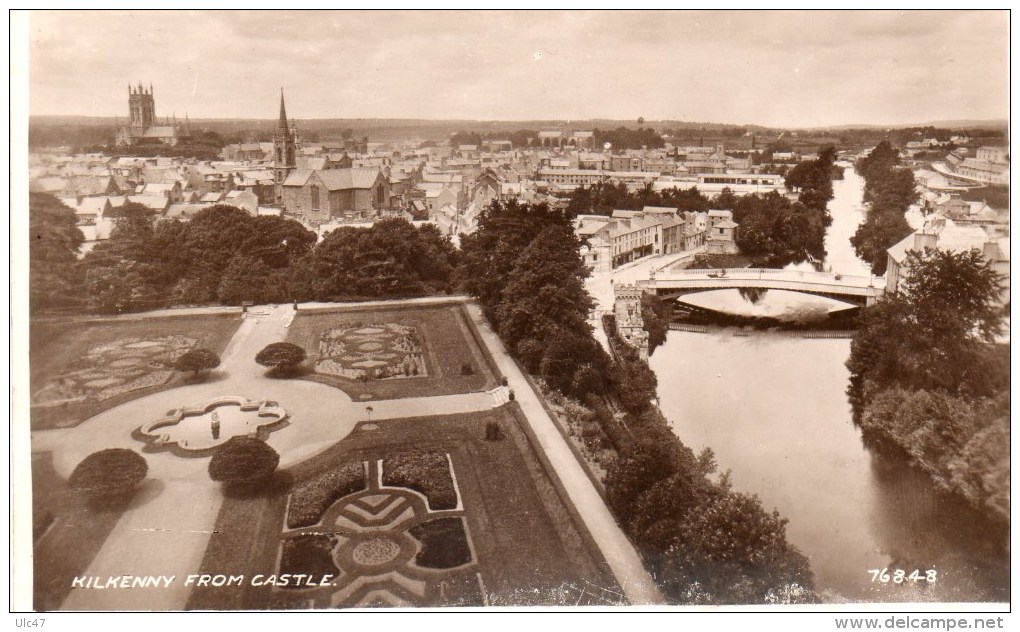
{"x": 505, "y": 229}
{"x": 392, "y": 258}
{"x": 934, "y": 333}
{"x": 54, "y": 240}
{"x": 927, "y": 379}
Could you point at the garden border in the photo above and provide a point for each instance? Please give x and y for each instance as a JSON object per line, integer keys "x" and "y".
{"x": 515, "y": 411}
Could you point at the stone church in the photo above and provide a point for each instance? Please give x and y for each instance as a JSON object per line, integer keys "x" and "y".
{"x": 144, "y": 127}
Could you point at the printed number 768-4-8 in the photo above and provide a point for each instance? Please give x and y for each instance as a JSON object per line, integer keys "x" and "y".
{"x": 899, "y": 576}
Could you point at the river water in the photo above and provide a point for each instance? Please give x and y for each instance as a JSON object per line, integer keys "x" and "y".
{"x": 773, "y": 407}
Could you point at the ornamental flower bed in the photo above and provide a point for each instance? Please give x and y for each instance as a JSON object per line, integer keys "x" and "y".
{"x": 114, "y": 368}
{"x": 310, "y": 554}
{"x": 314, "y": 496}
{"x": 372, "y": 351}
{"x": 424, "y": 471}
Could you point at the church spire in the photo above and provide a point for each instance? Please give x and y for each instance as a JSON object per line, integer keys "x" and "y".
{"x": 283, "y": 112}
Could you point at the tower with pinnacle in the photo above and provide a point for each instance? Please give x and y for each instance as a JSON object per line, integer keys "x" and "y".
{"x": 285, "y": 142}
{"x": 142, "y": 106}
{"x": 143, "y": 126}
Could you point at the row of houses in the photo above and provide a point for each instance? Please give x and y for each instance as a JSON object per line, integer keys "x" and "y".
{"x": 942, "y": 233}
{"x": 989, "y": 165}
{"x": 611, "y": 241}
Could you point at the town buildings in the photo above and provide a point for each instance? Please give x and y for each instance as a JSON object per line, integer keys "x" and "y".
{"x": 989, "y": 165}
{"x": 611, "y": 241}
{"x": 944, "y": 234}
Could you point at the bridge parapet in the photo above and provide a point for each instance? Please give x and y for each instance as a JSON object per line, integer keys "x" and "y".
{"x": 856, "y": 289}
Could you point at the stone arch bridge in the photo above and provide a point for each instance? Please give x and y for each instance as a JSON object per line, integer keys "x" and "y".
{"x": 856, "y": 290}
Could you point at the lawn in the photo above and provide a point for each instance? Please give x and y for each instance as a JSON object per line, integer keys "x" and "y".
{"x": 390, "y": 353}
{"x": 67, "y": 533}
{"x": 80, "y": 368}
{"x": 512, "y": 540}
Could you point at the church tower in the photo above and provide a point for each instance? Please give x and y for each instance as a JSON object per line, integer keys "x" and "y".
{"x": 142, "y": 106}
{"x": 285, "y": 142}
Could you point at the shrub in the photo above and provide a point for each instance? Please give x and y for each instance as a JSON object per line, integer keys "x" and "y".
{"x": 493, "y": 431}
{"x": 443, "y": 543}
{"x": 465, "y": 369}
{"x": 243, "y": 460}
{"x": 281, "y": 357}
{"x": 309, "y": 554}
{"x": 425, "y": 471}
{"x": 110, "y": 472}
{"x": 197, "y": 360}
{"x": 314, "y": 496}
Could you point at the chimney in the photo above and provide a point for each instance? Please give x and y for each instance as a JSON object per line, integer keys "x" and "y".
{"x": 990, "y": 251}
{"x": 924, "y": 239}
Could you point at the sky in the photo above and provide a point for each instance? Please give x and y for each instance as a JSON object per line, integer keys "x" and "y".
{"x": 781, "y": 68}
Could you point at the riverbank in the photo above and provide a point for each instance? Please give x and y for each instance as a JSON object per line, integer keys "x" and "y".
{"x": 773, "y": 408}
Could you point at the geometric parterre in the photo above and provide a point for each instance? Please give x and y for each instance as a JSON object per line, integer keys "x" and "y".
{"x": 389, "y": 549}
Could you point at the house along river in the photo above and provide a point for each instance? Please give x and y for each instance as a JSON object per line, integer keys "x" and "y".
{"x": 773, "y": 407}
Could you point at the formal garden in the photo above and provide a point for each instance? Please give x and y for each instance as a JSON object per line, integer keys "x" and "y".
{"x": 392, "y": 531}
{"x": 81, "y": 368}
{"x": 393, "y": 352}
{"x": 412, "y": 512}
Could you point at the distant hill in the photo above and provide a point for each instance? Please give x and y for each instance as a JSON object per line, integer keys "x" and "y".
{"x": 398, "y": 130}
{"x": 992, "y": 124}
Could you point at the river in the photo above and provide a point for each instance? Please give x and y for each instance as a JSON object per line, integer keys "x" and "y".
{"x": 773, "y": 407}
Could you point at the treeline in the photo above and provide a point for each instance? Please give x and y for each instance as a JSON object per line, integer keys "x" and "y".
{"x": 519, "y": 139}
{"x": 776, "y": 231}
{"x": 928, "y": 381}
{"x": 626, "y": 138}
{"x": 703, "y": 542}
{"x": 602, "y": 198}
{"x": 773, "y": 231}
{"x": 200, "y": 146}
{"x": 889, "y": 190}
{"x": 225, "y": 255}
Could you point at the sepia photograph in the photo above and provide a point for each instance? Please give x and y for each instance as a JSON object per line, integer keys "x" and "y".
{"x": 697, "y": 311}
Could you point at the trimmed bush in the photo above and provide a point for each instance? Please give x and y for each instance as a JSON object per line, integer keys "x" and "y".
{"x": 243, "y": 460}
{"x": 425, "y": 471}
{"x": 197, "y": 360}
{"x": 109, "y": 472}
{"x": 493, "y": 431}
{"x": 314, "y": 496}
{"x": 281, "y": 357}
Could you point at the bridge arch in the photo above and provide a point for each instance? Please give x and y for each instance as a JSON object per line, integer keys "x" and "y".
{"x": 855, "y": 290}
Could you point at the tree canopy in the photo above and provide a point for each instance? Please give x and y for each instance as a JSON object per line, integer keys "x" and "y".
{"x": 889, "y": 190}
{"x": 243, "y": 460}
{"x": 54, "y": 240}
{"x": 112, "y": 471}
{"x": 226, "y": 255}
{"x": 197, "y": 360}
{"x": 927, "y": 379}
{"x": 280, "y": 355}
